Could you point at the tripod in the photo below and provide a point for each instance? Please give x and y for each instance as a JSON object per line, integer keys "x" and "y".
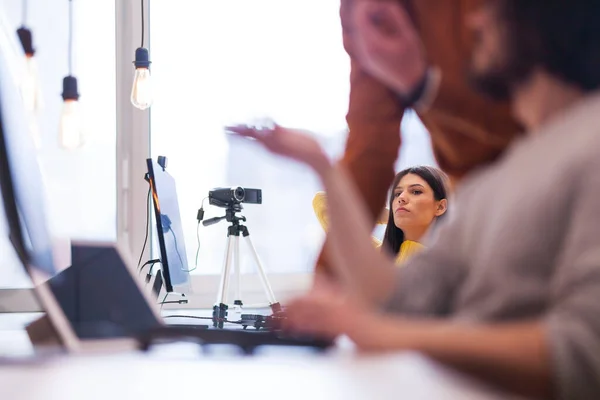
{"x": 232, "y": 252}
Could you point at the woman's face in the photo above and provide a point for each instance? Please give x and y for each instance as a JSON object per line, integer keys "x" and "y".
{"x": 413, "y": 204}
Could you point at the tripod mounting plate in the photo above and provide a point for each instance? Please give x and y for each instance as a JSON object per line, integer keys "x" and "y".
{"x": 231, "y": 217}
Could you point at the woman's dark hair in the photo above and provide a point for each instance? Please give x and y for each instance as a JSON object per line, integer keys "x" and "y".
{"x": 437, "y": 181}
{"x": 560, "y": 36}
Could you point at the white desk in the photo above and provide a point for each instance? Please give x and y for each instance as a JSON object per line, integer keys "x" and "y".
{"x": 131, "y": 377}
{"x": 182, "y": 372}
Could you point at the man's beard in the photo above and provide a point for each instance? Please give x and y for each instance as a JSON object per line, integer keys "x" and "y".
{"x": 510, "y": 70}
{"x": 494, "y": 83}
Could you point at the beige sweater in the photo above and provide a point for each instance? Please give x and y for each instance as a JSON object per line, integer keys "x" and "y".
{"x": 523, "y": 242}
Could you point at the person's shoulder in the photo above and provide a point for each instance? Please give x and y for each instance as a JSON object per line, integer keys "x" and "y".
{"x": 568, "y": 144}
{"x": 319, "y": 199}
{"x": 575, "y": 132}
{"x": 319, "y": 204}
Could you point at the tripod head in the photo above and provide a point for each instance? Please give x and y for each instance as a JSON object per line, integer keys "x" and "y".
{"x": 229, "y": 216}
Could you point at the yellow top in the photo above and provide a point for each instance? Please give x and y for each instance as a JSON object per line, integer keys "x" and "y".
{"x": 407, "y": 249}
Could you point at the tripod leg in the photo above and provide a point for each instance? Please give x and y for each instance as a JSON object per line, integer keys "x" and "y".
{"x": 224, "y": 285}
{"x": 238, "y": 283}
{"x": 261, "y": 272}
{"x": 220, "y": 309}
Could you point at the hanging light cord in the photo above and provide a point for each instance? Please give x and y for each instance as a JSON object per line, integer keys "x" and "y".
{"x": 70, "y": 37}
{"x": 142, "y": 1}
{"x": 24, "y": 12}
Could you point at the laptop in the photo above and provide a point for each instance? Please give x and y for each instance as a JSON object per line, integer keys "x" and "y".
{"x": 98, "y": 303}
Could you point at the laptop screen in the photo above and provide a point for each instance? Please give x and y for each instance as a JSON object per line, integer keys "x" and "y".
{"x": 169, "y": 230}
{"x": 99, "y": 295}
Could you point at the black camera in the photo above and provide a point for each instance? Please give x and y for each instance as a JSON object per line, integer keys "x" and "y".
{"x": 226, "y": 197}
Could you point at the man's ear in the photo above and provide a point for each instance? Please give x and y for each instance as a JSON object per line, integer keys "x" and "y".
{"x": 441, "y": 208}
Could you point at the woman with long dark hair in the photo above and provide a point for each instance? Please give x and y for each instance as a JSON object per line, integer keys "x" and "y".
{"x": 417, "y": 199}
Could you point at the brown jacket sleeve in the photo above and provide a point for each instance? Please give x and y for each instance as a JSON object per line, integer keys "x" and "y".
{"x": 466, "y": 128}
{"x": 373, "y": 118}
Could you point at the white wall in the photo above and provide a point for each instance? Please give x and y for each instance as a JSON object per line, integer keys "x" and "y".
{"x": 228, "y": 62}
{"x": 80, "y": 185}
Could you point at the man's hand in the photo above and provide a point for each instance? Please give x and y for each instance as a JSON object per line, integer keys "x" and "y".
{"x": 328, "y": 311}
{"x": 387, "y": 45}
{"x": 291, "y": 143}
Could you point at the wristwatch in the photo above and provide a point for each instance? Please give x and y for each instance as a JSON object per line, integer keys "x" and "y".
{"x": 424, "y": 92}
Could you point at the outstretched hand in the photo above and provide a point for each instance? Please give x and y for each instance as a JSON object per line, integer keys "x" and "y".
{"x": 290, "y": 143}
{"x": 328, "y": 311}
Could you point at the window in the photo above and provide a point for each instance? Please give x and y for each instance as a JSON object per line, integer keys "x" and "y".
{"x": 81, "y": 185}
{"x": 224, "y": 62}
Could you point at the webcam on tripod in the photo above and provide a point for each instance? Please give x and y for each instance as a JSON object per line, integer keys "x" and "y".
{"x": 231, "y": 199}
{"x": 228, "y": 197}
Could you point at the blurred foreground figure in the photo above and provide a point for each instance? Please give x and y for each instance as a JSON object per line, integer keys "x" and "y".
{"x": 467, "y": 129}
{"x": 508, "y": 289}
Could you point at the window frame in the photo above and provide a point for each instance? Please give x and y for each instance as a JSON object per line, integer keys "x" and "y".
{"x": 133, "y": 148}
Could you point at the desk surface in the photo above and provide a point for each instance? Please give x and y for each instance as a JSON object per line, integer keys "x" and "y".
{"x": 182, "y": 371}
{"x": 136, "y": 376}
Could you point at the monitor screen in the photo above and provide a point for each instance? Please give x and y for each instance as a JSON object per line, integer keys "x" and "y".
{"x": 22, "y": 185}
{"x": 169, "y": 230}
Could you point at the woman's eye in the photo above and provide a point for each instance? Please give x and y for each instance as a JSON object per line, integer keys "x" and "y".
{"x": 397, "y": 194}
{"x": 417, "y": 192}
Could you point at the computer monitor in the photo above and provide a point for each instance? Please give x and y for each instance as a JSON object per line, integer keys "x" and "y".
{"x": 21, "y": 180}
{"x": 99, "y": 296}
{"x": 168, "y": 228}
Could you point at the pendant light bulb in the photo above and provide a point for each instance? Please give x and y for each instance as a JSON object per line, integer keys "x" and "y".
{"x": 70, "y": 133}
{"x": 141, "y": 92}
{"x": 30, "y": 83}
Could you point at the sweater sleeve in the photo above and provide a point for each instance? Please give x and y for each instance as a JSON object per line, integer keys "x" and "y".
{"x": 427, "y": 282}
{"x": 573, "y": 323}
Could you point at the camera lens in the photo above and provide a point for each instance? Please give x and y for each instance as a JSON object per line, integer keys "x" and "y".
{"x": 239, "y": 194}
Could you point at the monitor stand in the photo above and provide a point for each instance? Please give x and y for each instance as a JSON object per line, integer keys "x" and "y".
{"x": 42, "y": 335}
{"x": 157, "y": 285}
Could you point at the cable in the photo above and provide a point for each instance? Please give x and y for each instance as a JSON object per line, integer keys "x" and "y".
{"x": 209, "y": 318}
{"x": 186, "y": 316}
{"x": 179, "y": 254}
{"x": 176, "y": 247}
{"x": 152, "y": 267}
{"x": 142, "y": 1}
{"x": 147, "y": 226}
{"x": 70, "y": 37}
{"x": 200, "y": 217}
{"x": 198, "y": 249}
{"x": 24, "y": 12}
{"x": 184, "y": 301}
{"x": 149, "y": 262}
{"x": 163, "y": 300}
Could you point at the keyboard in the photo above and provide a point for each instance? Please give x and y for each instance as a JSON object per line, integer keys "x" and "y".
{"x": 247, "y": 340}
{"x": 186, "y": 326}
